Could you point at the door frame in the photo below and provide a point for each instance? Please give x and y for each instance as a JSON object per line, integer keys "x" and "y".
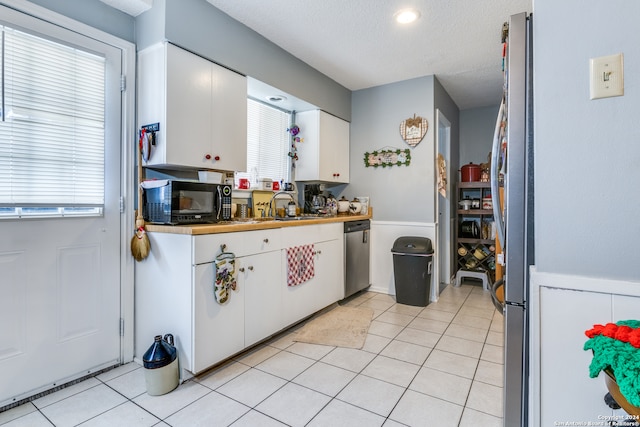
{"x": 444, "y": 234}
{"x": 128, "y": 140}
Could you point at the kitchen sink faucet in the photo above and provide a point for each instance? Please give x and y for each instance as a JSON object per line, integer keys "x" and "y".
{"x": 274, "y": 196}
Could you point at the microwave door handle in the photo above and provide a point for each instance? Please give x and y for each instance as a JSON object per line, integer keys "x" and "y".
{"x": 219, "y": 210}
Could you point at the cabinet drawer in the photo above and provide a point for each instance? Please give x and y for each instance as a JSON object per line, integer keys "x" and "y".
{"x": 207, "y": 247}
{"x": 306, "y": 234}
{"x": 260, "y": 241}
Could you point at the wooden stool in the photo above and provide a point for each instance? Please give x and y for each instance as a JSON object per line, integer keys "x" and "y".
{"x": 475, "y": 275}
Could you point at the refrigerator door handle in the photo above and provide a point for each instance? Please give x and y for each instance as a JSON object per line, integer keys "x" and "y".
{"x": 495, "y": 191}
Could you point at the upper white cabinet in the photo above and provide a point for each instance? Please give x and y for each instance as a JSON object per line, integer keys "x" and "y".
{"x": 324, "y": 154}
{"x": 201, "y": 108}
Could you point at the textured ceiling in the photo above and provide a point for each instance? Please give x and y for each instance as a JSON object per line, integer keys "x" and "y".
{"x": 358, "y": 44}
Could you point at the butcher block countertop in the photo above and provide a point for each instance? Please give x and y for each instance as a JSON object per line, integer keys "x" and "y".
{"x": 249, "y": 224}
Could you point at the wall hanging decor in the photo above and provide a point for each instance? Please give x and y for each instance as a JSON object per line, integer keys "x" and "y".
{"x": 442, "y": 175}
{"x": 294, "y": 130}
{"x": 413, "y": 130}
{"x": 387, "y": 157}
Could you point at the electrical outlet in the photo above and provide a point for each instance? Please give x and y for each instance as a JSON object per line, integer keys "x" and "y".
{"x": 607, "y": 76}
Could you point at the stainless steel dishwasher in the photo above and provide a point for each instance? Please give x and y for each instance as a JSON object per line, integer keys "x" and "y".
{"x": 356, "y": 252}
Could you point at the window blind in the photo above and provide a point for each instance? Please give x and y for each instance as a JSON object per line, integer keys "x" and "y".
{"x": 53, "y": 124}
{"x": 267, "y": 142}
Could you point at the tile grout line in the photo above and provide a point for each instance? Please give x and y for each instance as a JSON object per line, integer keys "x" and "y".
{"x": 316, "y": 362}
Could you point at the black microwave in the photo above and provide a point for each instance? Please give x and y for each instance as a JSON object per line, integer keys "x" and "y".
{"x": 185, "y": 202}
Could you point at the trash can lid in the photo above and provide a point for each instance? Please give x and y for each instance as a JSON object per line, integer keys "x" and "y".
{"x": 412, "y": 245}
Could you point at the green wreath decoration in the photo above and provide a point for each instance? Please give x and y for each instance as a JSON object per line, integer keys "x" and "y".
{"x": 387, "y": 158}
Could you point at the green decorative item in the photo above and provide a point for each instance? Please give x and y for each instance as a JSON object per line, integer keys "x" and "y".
{"x": 617, "y": 346}
{"x": 387, "y": 158}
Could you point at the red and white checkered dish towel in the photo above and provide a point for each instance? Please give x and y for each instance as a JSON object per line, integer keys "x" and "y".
{"x": 299, "y": 264}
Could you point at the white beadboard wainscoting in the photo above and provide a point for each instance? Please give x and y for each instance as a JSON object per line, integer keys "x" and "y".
{"x": 383, "y": 235}
{"x": 562, "y": 307}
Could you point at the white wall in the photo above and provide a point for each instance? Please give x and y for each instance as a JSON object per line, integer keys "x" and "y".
{"x": 383, "y": 236}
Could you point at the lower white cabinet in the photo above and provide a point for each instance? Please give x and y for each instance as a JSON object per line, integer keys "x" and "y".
{"x": 327, "y": 285}
{"x": 218, "y": 329}
{"x": 260, "y": 277}
{"x": 564, "y": 317}
{"x": 174, "y": 290}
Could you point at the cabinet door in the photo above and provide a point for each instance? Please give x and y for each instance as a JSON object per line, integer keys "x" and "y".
{"x": 189, "y": 108}
{"x": 228, "y": 121}
{"x": 334, "y": 149}
{"x": 260, "y": 277}
{"x": 329, "y": 272}
{"x": 324, "y": 154}
{"x": 564, "y": 365}
{"x": 325, "y": 288}
{"x": 218, "y": 329}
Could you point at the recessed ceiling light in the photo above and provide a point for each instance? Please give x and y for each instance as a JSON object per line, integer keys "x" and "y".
{"x": 406, "y": 16}
{"x": 276, "y": 98}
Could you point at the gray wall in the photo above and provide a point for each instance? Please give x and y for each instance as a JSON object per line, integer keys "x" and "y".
{"x": 476, "y": 134}
{"x": 201, "y": 28}
{"x": 398, "y": 193}
{"x": 587, "y": 152}
{"x": 94, "y": 13}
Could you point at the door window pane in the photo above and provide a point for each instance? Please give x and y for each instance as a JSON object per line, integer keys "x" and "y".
{"x": 53, "y": 128}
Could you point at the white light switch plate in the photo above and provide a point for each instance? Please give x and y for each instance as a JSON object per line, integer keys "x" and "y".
{"x": 607, "y": 76}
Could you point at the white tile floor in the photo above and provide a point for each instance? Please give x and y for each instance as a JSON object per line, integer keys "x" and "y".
{"x": 434, "y": 366}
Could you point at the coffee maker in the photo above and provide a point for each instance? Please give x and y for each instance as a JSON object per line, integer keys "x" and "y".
{"x": 314, "y": 201}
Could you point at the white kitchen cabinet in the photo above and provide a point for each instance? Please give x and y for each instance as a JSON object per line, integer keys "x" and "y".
{"x": 324, "y": 153}
{"x": 218, "y": 329}
{"x": 327, "y": 285}
{"x": 175, "y": 294}
{"x": 260, "y": 277}
{"x": 564, "y": 317}
{"x": 563, "y": 341}
{"x": 201, "y": 108}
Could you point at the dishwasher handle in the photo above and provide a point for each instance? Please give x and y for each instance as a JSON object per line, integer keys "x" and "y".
{"x": 365, "y": 236}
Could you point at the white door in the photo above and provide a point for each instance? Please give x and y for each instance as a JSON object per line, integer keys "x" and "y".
{"x": 443, "y": 177}
{"x": 60, "y": 276}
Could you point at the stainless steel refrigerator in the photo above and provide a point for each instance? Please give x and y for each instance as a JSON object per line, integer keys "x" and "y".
{"x": 512, "y": 168}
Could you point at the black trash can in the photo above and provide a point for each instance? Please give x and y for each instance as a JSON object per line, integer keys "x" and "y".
{"x": 412, "y": 259}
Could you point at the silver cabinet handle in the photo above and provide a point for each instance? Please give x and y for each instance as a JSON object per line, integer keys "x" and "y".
{"x": 266, "y": 240}
{"x": 251, "y": 268}
{"x": 241, "y": 269}
{"x": 317, "y": 252}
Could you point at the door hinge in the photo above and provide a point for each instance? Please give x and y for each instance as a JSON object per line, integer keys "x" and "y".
{"x": 123, "y": 83}
{"x": 121, "y": 204}
{"x": 121, "y": 327}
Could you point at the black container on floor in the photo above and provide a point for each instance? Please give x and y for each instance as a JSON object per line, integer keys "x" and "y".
{"x": 412, "y": 260}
